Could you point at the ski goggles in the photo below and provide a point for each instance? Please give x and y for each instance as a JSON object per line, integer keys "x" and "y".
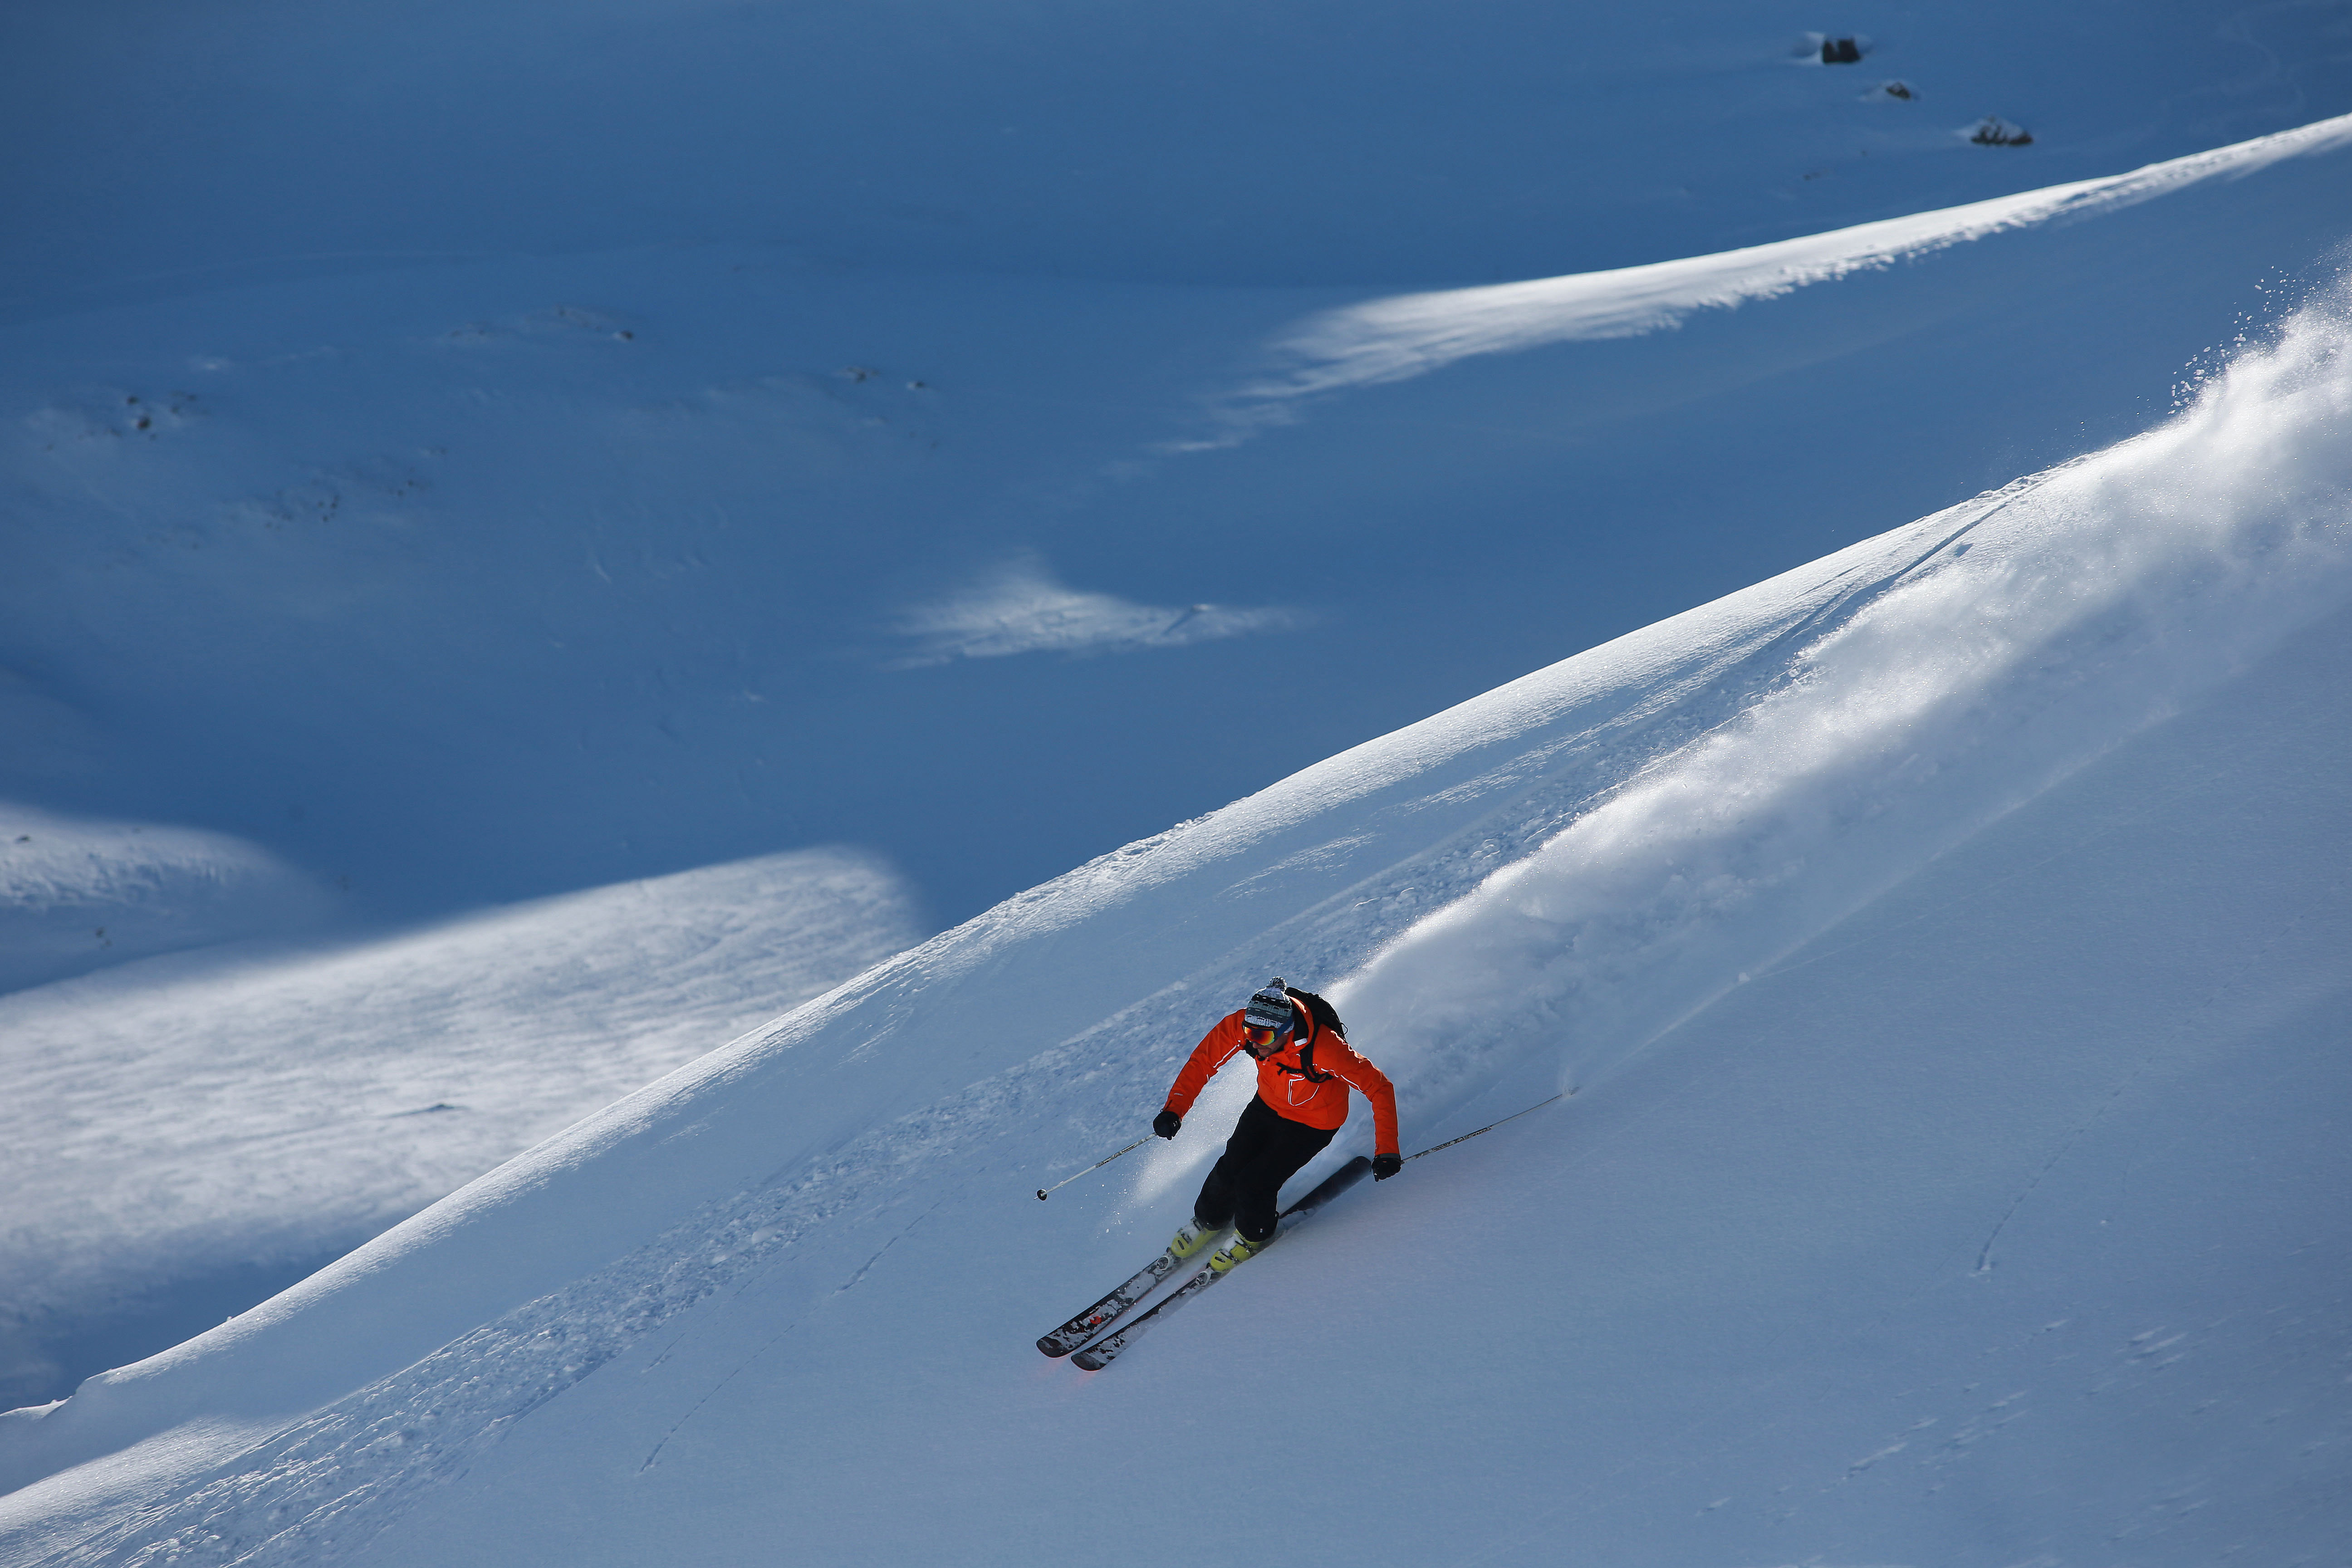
{"x": 1264, "y": 1040}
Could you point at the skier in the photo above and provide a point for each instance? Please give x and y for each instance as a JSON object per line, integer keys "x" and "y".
{"x": 1304, "y": 1068}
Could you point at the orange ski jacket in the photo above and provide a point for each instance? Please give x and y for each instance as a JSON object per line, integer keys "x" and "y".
{"x": 1283, "y": 1082}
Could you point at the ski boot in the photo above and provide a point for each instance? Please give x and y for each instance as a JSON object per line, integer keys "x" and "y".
{"x": 1239, "y": 1249}
{"x": 1194, "y": 1236}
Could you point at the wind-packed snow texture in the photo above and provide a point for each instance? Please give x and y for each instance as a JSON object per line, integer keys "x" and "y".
{"x": 1022, "y": 609}
{"x": 668, "y": 1314}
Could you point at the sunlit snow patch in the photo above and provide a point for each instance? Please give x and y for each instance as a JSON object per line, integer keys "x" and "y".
{"x": 1022, "y": 608}
{"x": 75, "y": 895}
{"x": 1412, "y": 334}
{"x": 217, "y": 1116}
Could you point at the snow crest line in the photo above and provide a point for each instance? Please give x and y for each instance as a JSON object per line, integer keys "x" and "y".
{"x": 1408, "y": 336}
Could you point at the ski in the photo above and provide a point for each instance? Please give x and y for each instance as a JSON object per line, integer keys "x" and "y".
{"x": 1100, "y": 1353}
{"x": 1111, "y": 1308}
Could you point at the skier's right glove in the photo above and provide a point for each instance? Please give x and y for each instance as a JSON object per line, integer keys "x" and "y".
{"x": 1166, "y": 1123}
{"x": 1385, "y": 1165}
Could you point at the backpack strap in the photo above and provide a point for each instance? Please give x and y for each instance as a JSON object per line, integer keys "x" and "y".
{"x": 1324, "y": 1017}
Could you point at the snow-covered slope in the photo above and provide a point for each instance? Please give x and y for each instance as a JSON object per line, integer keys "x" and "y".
{"x": 414, "y": 615}
{"x": 1931, "y": 933}
{"x": 436, "y": 586}
{"x": 159, "y": 150}
{"x": 454, "y": 454}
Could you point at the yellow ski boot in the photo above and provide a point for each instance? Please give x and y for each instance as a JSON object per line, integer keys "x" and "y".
{"x": 1239, "y": 1249}
{"x": 1194, "y": 1236}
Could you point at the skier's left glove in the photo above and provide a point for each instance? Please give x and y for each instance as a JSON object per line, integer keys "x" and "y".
{"x": 1166, "y": 1123}
{"x": 1386, "y": 1165}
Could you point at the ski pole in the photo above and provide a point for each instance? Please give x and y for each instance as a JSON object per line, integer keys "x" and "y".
{"x": 1449, "y": 1143}
{"x": 1044, "y": 1192}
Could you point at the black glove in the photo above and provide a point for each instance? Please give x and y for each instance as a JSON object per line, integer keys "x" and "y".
{"x": 1166, "y": 1123}
{"x": 1386, "y": 1165}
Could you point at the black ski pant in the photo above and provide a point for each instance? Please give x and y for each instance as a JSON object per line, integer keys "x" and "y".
{"x": 1243, "y": 1186}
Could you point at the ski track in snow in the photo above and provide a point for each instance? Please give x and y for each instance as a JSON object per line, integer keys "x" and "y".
{"x": 1680, "y": 808}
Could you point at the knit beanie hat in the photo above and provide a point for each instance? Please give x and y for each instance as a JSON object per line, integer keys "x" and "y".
{"x": 1270, "y": 1008}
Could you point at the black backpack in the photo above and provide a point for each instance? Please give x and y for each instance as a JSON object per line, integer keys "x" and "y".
{"x": 1325, "y": 1017}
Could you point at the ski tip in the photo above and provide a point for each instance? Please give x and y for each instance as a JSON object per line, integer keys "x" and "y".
{"x": 1089, "y": 1362}
{"x": 1052, "y": 1347}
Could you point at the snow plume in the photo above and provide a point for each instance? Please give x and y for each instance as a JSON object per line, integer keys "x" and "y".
{"x": 2036, "y": 629}
{"x": 1021, "y": 607}
{"x": 1408, "y": 336}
